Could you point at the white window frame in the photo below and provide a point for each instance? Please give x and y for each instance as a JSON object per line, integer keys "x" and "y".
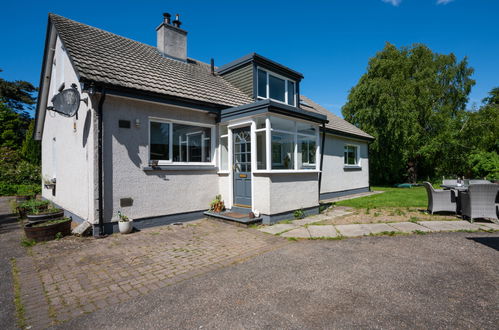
{"x": 220, "y": 137}
{"x": 268, "y": 152}
{"x": 170, "y": 147}
{"x": 268, "y": 87}
{"x": 357, "y": 155}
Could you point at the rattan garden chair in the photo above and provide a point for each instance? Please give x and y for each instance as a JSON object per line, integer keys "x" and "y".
{"x": 480, "y": 202}
{"x": 449, "y": 182}
{"x": 479, "y": 181}
{"x": 440, "y": 200}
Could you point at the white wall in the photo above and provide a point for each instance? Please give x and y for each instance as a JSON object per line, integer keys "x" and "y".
{"x": 282, "y": 192}
{"x": 68, "y": 146}
{"x": 154, "y": 193}
{"x": 335, "y": 177}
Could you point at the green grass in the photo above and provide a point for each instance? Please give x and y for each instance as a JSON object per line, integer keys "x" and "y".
{"x": 392, "y": 197}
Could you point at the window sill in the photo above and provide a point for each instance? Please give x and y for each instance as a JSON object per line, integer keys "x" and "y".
{"x": 352, "y": 167}
{"x": 209, "y": 167}
{"x": 223, "y": 172}
{"x": 285, "y": 171}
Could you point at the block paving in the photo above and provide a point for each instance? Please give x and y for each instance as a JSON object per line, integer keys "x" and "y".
{"x": 61, "y": 280}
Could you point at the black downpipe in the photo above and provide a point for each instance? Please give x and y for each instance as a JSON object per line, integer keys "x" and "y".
{"x": 323, "y": 143}
{"x": 100, "y": 165}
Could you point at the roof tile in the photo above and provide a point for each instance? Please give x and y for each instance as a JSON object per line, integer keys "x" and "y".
{"x": 102, "y": 56}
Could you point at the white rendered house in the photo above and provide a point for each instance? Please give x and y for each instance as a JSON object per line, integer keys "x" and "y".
{"x": 159, "y": 134}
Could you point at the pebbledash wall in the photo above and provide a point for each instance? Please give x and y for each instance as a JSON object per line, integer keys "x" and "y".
{"x": 68, "y": 146}
{"x": 337, "y": 179}
{"x": 127, "y": 175}
{"x": 281, "y": 193}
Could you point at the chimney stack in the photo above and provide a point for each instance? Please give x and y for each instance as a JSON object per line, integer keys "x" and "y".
{"x": 171, "y": 39}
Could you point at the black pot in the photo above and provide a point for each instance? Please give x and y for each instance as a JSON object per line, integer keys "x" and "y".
{"x": 32, "y": 218}
{"x": 47, "y": 233}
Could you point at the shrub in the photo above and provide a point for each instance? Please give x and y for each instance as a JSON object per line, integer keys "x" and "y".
{"x": 484, "y": 164}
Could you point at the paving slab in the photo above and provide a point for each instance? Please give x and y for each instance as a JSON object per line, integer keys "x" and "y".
{"x": 449, "y": 225}
{"x": 353, "y": 230}
{"x": 322, "y": 231}
{"x": 408, "y": 227}
{"x": 278, "y": 228}
{"x": 311, "y": 219}
{"x": 494, "y": 226}
{"x": 300, "y": 232}
{"x": 378, "y": 228}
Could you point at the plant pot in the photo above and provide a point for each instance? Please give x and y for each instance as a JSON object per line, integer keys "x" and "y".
{"x": 32, "y": 218}
{"x": 48, "y": 232}
{"x": 125, "y": 226}
{"x": 22, "y": 212}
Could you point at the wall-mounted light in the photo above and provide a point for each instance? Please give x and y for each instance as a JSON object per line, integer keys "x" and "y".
{"x": 137, "y": 122}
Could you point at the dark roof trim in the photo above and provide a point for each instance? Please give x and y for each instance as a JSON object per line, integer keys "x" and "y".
{"x": 348, "y": 135}
{"x": 158, "y": 98}
{"x": 261, "y": 61}
{"x": 46, "y": 72}
{"x": 264, "y": 106}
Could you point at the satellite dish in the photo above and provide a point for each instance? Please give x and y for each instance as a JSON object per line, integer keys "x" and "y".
{"x": 66, "y": 102}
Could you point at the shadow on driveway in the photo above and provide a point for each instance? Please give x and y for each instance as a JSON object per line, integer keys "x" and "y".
{"x": 491, "y": 242}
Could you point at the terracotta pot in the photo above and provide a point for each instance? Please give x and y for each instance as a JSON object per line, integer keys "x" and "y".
{"x": 47, "y": 233}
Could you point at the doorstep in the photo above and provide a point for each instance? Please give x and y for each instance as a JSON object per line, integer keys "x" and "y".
{"x": 234, "y": 216}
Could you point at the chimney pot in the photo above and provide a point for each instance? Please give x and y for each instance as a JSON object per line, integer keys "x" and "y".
{"x": 167, "y": 17}
{"x": 177, "y": 22}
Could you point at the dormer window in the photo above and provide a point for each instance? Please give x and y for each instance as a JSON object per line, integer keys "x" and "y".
{"x": 275, "y": 87}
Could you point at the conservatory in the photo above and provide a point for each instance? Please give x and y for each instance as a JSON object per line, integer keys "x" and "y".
{"x": 269, "y": 159}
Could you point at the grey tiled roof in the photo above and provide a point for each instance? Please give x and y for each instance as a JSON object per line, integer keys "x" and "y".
{"x": 335, "y": 122}
{"x": 105, "y": 57}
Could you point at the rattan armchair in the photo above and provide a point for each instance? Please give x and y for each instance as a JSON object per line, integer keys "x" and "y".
{"x": 480, "y": 202}
{"x": 440, "y": 200}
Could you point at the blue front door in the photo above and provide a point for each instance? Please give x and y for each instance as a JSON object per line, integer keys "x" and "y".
{"x": 242, "y": 166}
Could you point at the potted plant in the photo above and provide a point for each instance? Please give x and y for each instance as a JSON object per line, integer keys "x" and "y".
{"x": 48, "y": 230}
{"x": 124, "y": 223}
{"x": 41, "y": 210}
{"x": 217, "y": 205}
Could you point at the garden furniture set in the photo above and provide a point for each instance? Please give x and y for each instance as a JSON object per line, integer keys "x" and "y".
{"x": 472, "y": 199}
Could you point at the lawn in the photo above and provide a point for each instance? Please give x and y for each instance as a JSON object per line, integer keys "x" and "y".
{"x": 392, "y": 197}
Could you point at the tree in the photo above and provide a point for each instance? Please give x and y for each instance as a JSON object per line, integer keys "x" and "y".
{"x": 31, "y": 149}
{"x": 17, "y": 95}
{"x": 412, "y": 101}
{"x": 13, "y": 126}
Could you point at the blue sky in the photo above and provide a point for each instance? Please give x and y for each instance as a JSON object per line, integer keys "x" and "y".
{"x": 330, "y": 42}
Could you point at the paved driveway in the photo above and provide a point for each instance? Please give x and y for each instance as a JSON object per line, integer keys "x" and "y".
{"x": 441, "y": 280}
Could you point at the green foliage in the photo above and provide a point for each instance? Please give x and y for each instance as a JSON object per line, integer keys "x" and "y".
{"x": 17, "y": 95}
{"x": 412, "y": 101}
{"x": 392, "y": 197}
{"x": 26, "y": 242}
{"x": 484, "y": 164}
{"x": 8, "y": 189}
{"x": 13, "y": 127}
{"x": 299, "y": 214}
{"x": 31, "y": 149}
{"x": 34, "y": 206}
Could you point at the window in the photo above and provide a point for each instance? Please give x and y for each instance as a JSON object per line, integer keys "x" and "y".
{"x": 160, "y": 141}
{"x": 307, "y": 149}
{"x": 275, "y": 87}
{"x": 261, "y": 151}
{"x": 293, "y": 144}
{"x": 224, "y": 149}
{"x": 351, "y": 155}
{"x": 179, "y": 143}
